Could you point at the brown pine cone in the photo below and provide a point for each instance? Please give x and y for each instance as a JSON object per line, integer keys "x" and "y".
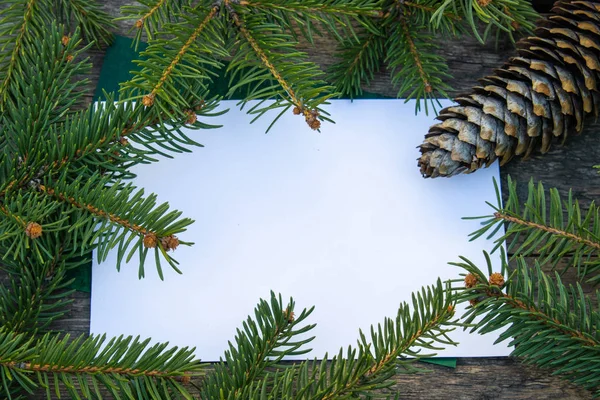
{"x": 535, "y": 100}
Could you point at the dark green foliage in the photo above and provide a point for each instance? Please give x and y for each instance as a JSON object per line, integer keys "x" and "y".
{"x": 126, "y": 368}
{"x": 548, "y": 226}
{"x": 503, "y": 16}
{"x": 551, "y": 325}
{"x": 36, "y": 296}
{"x": 260, "y": 37}
{"x": 251, "y": 368}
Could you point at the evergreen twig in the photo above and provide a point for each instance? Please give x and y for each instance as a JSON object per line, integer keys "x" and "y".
{"x": 549, "y": 324}
{"x": 547, "y": 226}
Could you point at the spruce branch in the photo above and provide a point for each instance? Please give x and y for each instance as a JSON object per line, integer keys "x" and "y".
{"x": 262, "y": 343}
{"x": 169, "y": 70}
{"x": 174, "y": 75}
{"x": 18, "y": 21}
{"x": 49, "y": 87}
{"x": 505, "y": 16}
{"x": 547, "y": 226}
{"x": 551, "y": 325}
{"x": 124, "y": 217}
{"x": 151, "y": 16}
{"x": 419, "y": 72}
{"x": 360, "y": 371}
{"x": 35, "y": 297}
{"x": 273, "y": 49}
{"x": 87, "y": 16}
{"x": 27, "y": 227}
{"x": 338, "y": 18}
{"x": 358, "y": 63}
{"x": 124, "y": 367}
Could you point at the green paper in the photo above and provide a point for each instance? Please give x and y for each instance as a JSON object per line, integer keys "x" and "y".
{"x": 117, "y": 65}
{"x": 449, "y": 362}
{"x": 118, "y": 62}
{"x": 82, "y": 278}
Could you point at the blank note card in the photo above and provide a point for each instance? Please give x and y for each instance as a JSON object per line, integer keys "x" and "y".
{"x": 340, "y": 219}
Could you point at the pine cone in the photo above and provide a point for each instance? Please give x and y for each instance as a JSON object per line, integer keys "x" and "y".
{"x": 535, "y": 100}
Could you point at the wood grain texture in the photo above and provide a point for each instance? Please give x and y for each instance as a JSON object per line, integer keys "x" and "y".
{"x": 563, "y": 167}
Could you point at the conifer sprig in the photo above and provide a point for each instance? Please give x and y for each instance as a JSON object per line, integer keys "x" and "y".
{"x": 259, "y": 346}
{"x": 105, "y": 216}
{"x": 125, "y": 367}
{"x": 18, "y": 22}
{"x": 94, "y": 23}
{"x": 36, "y": 295}
{"x": 24, "y": 23}
{"x": 339, "y": 18}
{"x": 361, "y": 371}
{"x": 549, "y": 227}
{"x": 551, "y": 325}
{"x": 150, "y": 16}
{"x": 283, "y": 73}
{"x": 419, "y": 72}
{"x": 502, "y": 16}
{"x": 260, "y": 36}
{"x": 362, "y": 59}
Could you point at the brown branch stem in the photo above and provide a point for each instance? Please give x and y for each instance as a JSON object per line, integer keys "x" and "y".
{"x": 263, "y": 57}
{"x": 94, "y": 210}
{"x": 167, "y": 72}
{"x": 95, "y": 370}
{"x": 415, "y": 55}
{"x": 16, "y": 49}
{"x": 152, "y": 10}
{"x": 377, "y": 367}
{"x": 541, "y": 316}
{"x": 548, "y": 229}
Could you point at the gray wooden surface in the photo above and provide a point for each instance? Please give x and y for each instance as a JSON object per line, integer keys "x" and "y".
{"x": 564, "y": 168}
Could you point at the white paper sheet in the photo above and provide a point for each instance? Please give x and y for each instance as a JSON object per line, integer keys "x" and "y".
{"x": 339, "y": 219}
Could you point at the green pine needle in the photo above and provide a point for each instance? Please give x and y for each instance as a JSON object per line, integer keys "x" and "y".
{"x": 549, "y": 324}
{"x": 548, "y": 226}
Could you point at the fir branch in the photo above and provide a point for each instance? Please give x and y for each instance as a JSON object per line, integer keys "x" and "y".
{"x": 27, "y": 230}
{"x": 506, "y": 16}
{"x": 296, "y": 80}
{"x": 95, "y": 211}
{"x": 415, "y": 54}
{"x": 36, "y": 297}
{"x": 89, "y": 18}
{"x": 549, "y": 324}
{"x": 265, "y": 59}
{"x": 151, "y": 16}
{"x": 538, "y": 227}
{"x": 110, "y": 214}
{"x": 421, "y": 13}
{"x": 415, "y": 67}
{"x": 368, "y": 369}
{"x": 548, "y": 226}
{"x": 124, "y": 367}
{"x": 312, "y": 8}
{"x": 22, "y": 17}
{"x": 358, "y": 63}
{"x": 51, "y": 81}
{"x": 169, "y": 70}
{"x": 338, "y": 18}
{"x": 262, "y": 344}
{"x": 186, "y": 64}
